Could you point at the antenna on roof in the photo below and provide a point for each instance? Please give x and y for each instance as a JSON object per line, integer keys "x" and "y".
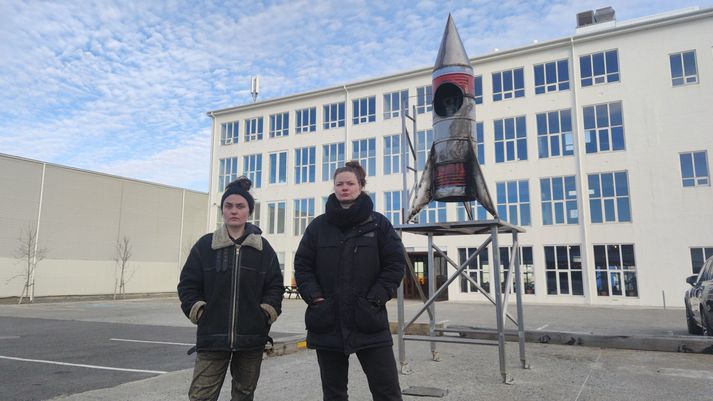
{"x": 255, "y": 87}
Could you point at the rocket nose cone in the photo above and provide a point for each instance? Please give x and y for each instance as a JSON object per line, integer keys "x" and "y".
{"x": 452, "y": 51}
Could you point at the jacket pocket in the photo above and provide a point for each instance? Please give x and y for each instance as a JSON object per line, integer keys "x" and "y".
{"x": 370, "y": 317}
{"x": 320, "y": 318}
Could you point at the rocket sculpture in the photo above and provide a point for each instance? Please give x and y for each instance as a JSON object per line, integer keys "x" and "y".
{"x": 452, "y": 172}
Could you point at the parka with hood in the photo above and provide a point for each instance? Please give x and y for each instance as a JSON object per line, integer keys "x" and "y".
{"x": 239, "y": 285}
{"x": 356, "y": 268}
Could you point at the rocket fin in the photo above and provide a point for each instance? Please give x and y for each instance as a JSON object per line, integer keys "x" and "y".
{"x": 482, "y": 194}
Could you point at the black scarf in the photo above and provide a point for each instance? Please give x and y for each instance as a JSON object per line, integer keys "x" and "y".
{"x": 350, "y": 217}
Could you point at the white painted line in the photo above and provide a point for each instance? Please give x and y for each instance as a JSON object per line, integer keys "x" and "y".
{"x": 149, "y": 342}
{"x": 9, "y": 337}
{"x": 542, "y": 327}
{"x": 159, "y": 372}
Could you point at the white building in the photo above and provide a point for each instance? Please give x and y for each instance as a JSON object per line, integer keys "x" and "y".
{"x": 598, "y": 144}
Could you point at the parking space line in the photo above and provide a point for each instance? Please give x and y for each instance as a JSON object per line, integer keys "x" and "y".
{"x": 150, "y": 342}
{"x": 159, "y": 372}
{"x": 9, "y": 337}
{"x": 542, "y": 327}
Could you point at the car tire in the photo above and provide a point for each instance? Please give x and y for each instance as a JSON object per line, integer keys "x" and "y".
{"x": 693, "y": 328}
{"x": 707, "y": 329}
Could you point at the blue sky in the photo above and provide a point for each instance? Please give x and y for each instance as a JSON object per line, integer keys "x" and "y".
{"x": 123, "y": 87}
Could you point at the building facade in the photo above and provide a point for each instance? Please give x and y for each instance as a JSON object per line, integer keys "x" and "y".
{"x": 597, "y": 144}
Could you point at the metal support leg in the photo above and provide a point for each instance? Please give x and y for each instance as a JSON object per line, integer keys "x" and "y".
{"x": 405, "y": 370}
{"x": 518, "y": 298}
{"x": 495, "y": 280}
{"x": 431, "y": 293}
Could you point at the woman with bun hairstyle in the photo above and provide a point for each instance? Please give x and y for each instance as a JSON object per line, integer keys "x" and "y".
{"x": 349, "y": 263}
{"x": 231, "y": 287}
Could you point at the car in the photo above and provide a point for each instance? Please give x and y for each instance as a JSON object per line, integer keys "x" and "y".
{"x": 699, "y": 300}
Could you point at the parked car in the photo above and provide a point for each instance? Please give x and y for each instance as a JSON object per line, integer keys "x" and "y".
{"x": 699, "y": 300}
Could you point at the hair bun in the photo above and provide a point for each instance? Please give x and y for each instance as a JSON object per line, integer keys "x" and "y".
{"x": 242, "y": 182}
{"x": 353, "y": 164}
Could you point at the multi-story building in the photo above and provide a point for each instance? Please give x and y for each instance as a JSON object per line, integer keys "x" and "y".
{"x": 597, "y": 144}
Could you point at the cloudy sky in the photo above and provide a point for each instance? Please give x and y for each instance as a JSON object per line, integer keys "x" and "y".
{"x": 123, "y": 87}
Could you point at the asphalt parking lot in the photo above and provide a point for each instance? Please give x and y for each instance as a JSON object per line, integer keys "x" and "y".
{"x": 135, "y": 350}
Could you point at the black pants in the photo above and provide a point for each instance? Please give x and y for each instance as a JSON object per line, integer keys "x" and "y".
{"x": 378, "y": 364}
{"x": 210, "y": 369}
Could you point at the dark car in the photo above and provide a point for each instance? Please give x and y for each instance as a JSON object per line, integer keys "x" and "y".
{"x": 699, "y": 301}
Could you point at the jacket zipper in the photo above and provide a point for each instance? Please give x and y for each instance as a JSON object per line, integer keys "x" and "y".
{"x": 234, "y": 306}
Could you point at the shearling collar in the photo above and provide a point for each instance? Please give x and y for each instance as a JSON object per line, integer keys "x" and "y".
{"x": 221, "y": 239}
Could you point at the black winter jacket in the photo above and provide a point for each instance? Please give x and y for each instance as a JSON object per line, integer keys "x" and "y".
{"x": 240, "y": 287}
{"x": 356, "y": 270}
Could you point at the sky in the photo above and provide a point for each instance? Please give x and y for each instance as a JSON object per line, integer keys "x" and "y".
{"x": 123, "y": 87}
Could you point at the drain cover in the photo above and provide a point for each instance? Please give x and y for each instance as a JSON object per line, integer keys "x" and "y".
{"x": 425, "y": 391}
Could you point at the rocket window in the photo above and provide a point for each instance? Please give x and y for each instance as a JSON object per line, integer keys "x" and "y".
{"x": 447, "y": 100}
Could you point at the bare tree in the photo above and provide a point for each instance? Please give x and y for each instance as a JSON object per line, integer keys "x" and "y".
{"x": 30, "y": 255}
{"x": 123, "y": 254}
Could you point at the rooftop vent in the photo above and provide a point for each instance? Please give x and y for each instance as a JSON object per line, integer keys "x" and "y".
{"x": 604, "y": 14}
{"x": 585, "y": 18}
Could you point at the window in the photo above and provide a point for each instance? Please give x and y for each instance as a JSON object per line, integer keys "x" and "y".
{"x": 304, "y": 165}
{"x": 479, "y": 143}
{"x": 364, "y": 110}
{"x": 228, "y": 171}
{"x": 394, "y": 103}
{"x": 276, "y": 217}
{"x": 599, "y": 68}
{"x": 278, "y": 168}
{"x": 699, "y": 255}
{"x": 514, "y": 201}
{"x": 508, "y": 84}
{"x": 332, "y": 159}
{"x": 478, "y": 89}
{"x": 559, "y": 200}
{"x": 552, "y": 76}
{"x": 364, "y": 150}
{"x": 609, "y": 197}
{"x": 683, "y": 68}
{"x": 424, "y": 140}
{"x": 694, "y": 168}
{"x": 475, "y": 206}
{"x": 435, "y": 212}
{"x": 306, "y": 120}
{"x": 554, "y": 134}
{"x": 333, "y": 115}
{"x": 527, "y": 274}
{"x": 392, "y": 154}
{"x": 424, "y": 99}
{"x": 304, "y": 214}
{"x": 219, "y": 220}
{"x": 603, "y": 127}
{"x": 255, "y": 217}
{"x": 253, "y": 129}
{"x": 252, "y": 168}
{"x": 563, "y": 269}
{"x": 478, "y": 270}
{"x": 372, "y": 195}
{"x": 510, "y": 139}
{"x": 229, "y": 133}
{"x": 392, "y": 206}
{"x": 279, "y": 125}
{"x": 615, "y": 270}
{"x": 281, "y": 261}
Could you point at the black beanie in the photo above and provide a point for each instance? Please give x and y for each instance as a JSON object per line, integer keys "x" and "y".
{"x": 240, "y": 186}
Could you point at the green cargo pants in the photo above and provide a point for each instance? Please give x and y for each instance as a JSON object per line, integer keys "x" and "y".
{"x": 209, "y": 374}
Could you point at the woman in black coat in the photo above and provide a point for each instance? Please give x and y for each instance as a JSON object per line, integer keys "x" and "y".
{"x": 348, "y": 265}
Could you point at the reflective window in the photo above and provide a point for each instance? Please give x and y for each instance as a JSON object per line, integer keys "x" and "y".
{"x": 255, "y": 217}
{"x": 424, "y": 99}
{"x": 394, "y": 103}
{"x": 424, "y": 140}
{"x": 434, "y": 212}
{"x": 478, "y": 89}
{"x": 306, "y": 120}
{"x": 527, "y": 270}
{"x": 554, "y": 134}
{"x": 479, "y": 143}
{"x": 392, "y": 206}
{"x": 278, "y": 168}
{"x": 552, "y": 76}
{"x": 227, "y": 172}
{"x": 229, "y": 133}
{"x": 476, "y": 208}
{"x": 253, "y": 129}
{"x": 615, "y": 270}
{"x": 559, "y": 200}
{"x": 304, "y": 165}
{"x": 332, "y": 159}
{"x": 252, "y": 168}
{"x": 303, "y": 215}
{"x": 563, "y": 270}
{"x": 510, "y": 139}
{"x": 694, "y": 169}
{"x": 683, "y": 68}
{"x": 478, "y": 270}
{"x": 699, "y": 255}
{"x": 279, "y": 125}
{"x": 599, "y": 68}
{"x": 513, "y": 199}
{"x": 364, "y": 150}
{"x": 609, "y": 197}
{"x": 392, "y": 154}
{"x": 508, "y": 84}
{"x": 333, "y": 115}
{"x": 364, "y": 110}
{"x": 276, "y": 217}
{"x": 603, "y": 127}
